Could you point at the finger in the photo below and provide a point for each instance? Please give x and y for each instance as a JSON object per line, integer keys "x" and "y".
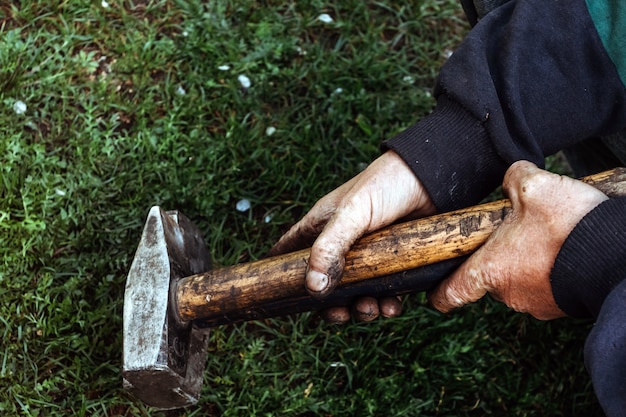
{"x": 524, "y": 182}
{"x": 327, "y": 259}
{"x": 366, "y": 309}
{"x": 390, "y": 306}
{"x": 519, "y": 172}
{"x": 466, "y": 285}
{"x": 336, "y": 315}
{"x": 302, "y": 234}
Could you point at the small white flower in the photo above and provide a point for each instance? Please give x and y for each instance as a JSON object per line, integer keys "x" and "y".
{"x": 408, "y": 79}
{"x": 338, "y": 90}
{"x": 19, "y": 107}
{"x": 267, "y": 218}
{"x": 223, "y": 67}
{"x": 325, "y": 18}
{"x": 181, "y": 91}
{"x": 300, "y": 51}
{"x": 104, "y": 4}
{"x": 337, "y": 365}
{"x": 185, "y": 33}
{"x": 243, "y": 205}
{"x": 270, "y": 131}
{"x": 244, "y": 81}
{"x": 59, "y": 192}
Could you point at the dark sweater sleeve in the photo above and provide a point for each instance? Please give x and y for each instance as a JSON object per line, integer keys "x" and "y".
{"x": 531, "y": 78}
{"x": 605, "y": 353}
{"x": 592, "y": 261}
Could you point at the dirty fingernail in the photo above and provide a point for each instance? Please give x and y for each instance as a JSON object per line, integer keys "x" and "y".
{"x": 366, "y": 309}
{"x": 316, "y": 281}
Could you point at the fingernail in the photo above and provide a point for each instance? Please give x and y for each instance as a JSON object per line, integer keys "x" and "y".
{"x": 316, "y": 281}
{"x": 366, "y": 309}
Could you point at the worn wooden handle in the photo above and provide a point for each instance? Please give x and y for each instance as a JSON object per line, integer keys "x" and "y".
{"x": 275, "y": 286}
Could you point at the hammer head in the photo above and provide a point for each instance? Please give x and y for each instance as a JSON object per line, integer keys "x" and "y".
{"x": 164, "y": 358}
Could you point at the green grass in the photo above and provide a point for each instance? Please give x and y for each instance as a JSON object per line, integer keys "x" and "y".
{"x": 127, "y": 107}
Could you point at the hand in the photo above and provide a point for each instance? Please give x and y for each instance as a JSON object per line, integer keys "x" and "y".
{"x": 384, "y": 192}
{"x": 514, "y": 265}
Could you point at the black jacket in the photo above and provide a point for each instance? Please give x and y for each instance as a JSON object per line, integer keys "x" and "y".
{"x": 534, "y": 77}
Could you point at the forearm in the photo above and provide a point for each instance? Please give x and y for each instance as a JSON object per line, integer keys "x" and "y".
{"x": 531, "y": 78}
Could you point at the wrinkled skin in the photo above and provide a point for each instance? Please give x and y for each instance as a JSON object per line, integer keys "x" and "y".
{"x": 387, "y": 190}
{"x": 514, "y": 265}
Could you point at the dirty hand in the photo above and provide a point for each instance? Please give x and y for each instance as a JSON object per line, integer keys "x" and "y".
{"x": 514, "y": 265}
{"x": 384, "y": 192}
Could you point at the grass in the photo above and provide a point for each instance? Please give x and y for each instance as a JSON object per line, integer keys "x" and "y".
{"x": 138, "y": 104}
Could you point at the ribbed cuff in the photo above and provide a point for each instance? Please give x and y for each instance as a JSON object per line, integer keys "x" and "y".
{"x": 450, "y": 152}
{"x": 592, "y": 261}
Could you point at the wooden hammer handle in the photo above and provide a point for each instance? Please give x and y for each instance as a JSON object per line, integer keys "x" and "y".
{"x": 394, "y": 260}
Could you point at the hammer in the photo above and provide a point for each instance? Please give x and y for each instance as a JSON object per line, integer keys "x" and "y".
{"x": 173, "y": 297}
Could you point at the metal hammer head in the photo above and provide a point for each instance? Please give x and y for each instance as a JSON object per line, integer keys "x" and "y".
{"x": 164, "y": 358}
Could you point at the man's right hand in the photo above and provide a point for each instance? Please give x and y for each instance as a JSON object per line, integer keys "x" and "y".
{"x": 515, "y": 264}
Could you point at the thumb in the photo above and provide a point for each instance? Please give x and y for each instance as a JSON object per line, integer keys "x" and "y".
{"x": 466, "y": 285}
{"x": 386, "y": 191}
{"x": 327, "y": 259}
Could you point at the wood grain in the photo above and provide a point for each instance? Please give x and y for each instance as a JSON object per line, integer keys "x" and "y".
{"x": 246, "y": 291}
